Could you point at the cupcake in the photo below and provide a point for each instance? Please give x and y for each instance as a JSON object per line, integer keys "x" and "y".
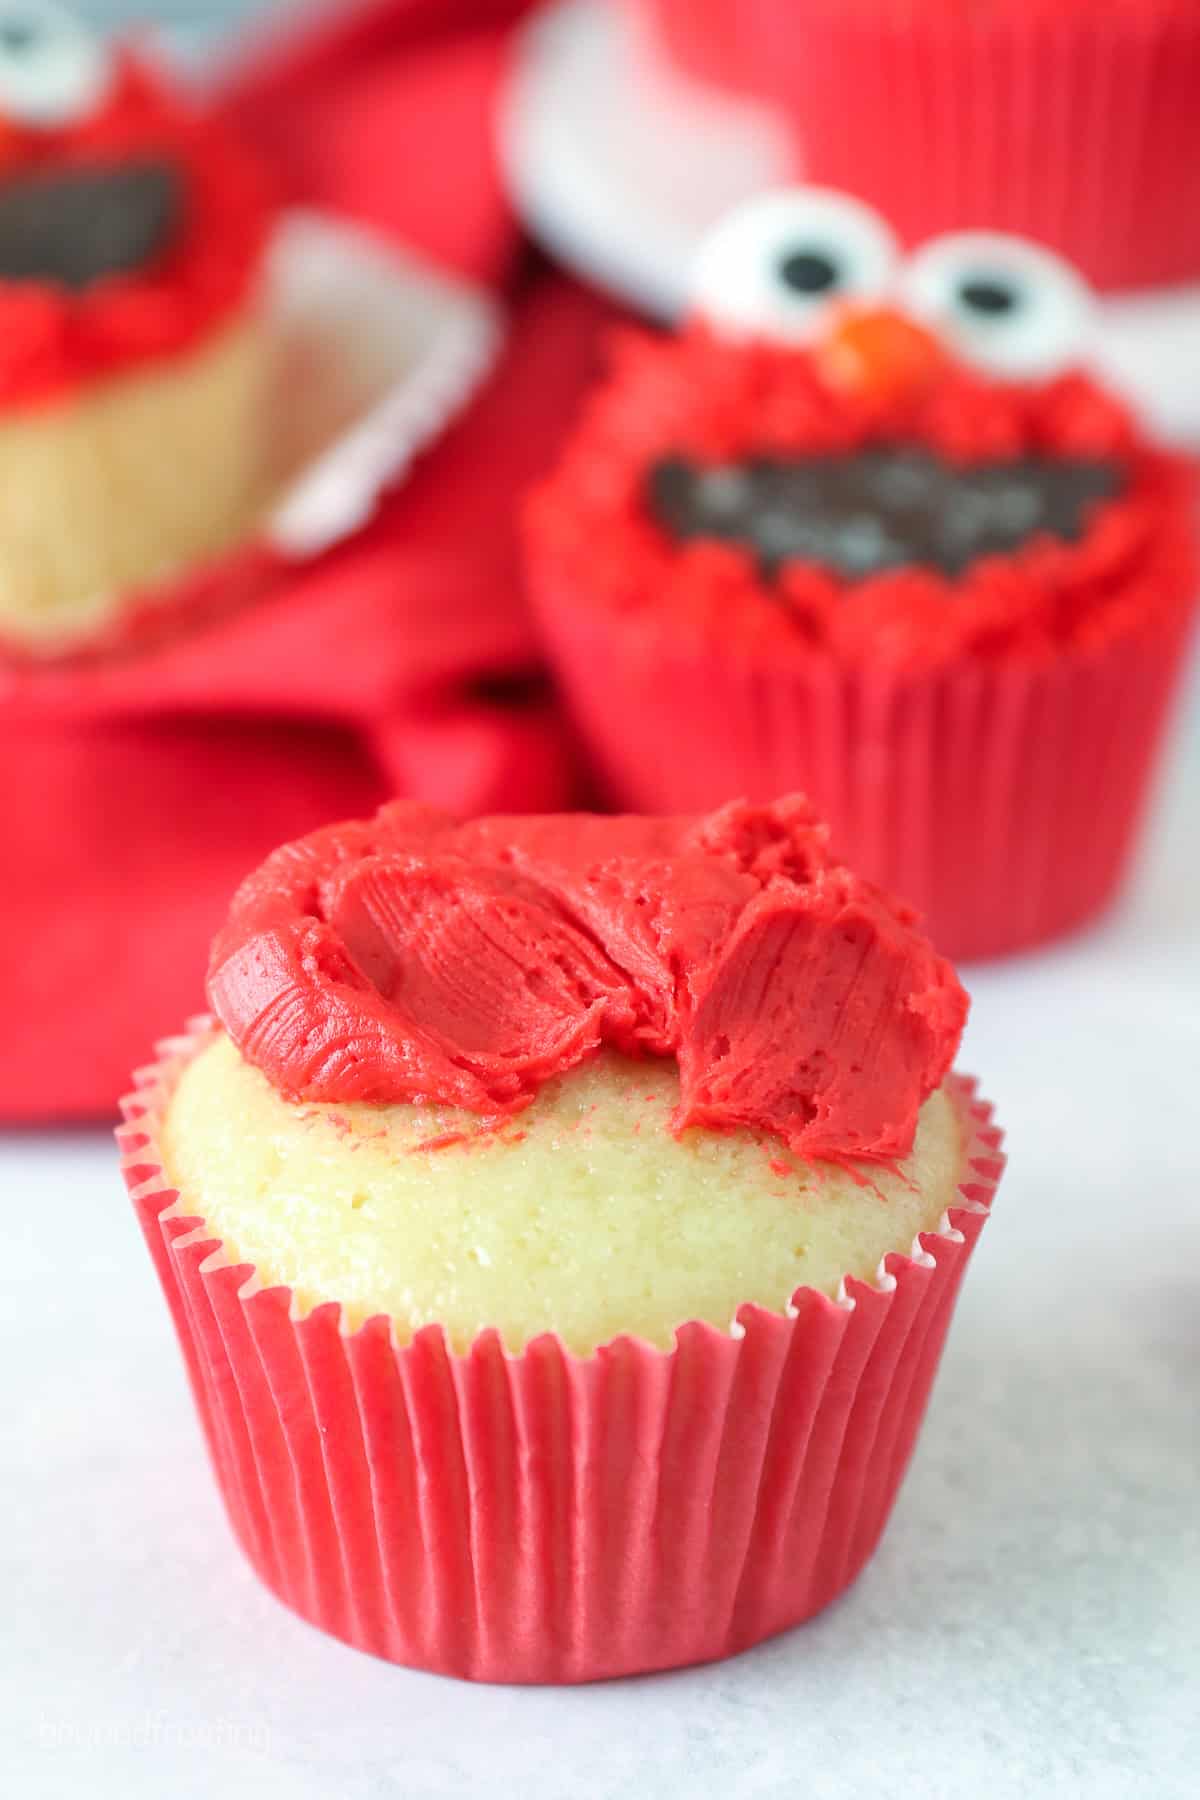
{"x": 868, "y": 527}
{"x": 561, "y": 1218}
{"x": 1070, "y": 121}
{"x": 132, "y": 362}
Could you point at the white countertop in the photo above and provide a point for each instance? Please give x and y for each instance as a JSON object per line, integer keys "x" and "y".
{"x": 1030, "y": 1627}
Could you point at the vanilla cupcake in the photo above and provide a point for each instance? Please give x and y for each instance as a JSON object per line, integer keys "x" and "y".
{"x": 561, "y": 1224}
{"x": 132, "y": 359}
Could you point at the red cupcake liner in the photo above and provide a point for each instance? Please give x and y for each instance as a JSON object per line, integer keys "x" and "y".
{"x": 702, "y": 39}
{"x": 548, "y": 1517}
{"x": 1001, "y": 799}
{"x": 1075, "y": 124}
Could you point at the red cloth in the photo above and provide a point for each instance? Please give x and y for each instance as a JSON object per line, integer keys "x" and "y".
{"x": 385, "y": 111}
{"x": 134, "y": 796}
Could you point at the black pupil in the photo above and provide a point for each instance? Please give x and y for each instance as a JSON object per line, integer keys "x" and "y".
{"x": 809, "y": 271}
{"x": 989, "y": 296}
{"x": 18, "y": 34}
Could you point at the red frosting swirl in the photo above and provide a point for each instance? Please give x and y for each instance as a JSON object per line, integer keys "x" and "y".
{"x": 411, "y": 958}
{"x": 53, "y": 339}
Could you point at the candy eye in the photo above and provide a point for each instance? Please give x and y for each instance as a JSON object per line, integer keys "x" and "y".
{"x": 1008, "y": 305}
{"x": 53, "y": 71}
{"x": 775, "y": 267}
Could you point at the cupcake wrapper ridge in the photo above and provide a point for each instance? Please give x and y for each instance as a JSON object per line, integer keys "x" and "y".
{"x": 547, "y": 1517}
{"x": 1073, "y": 124}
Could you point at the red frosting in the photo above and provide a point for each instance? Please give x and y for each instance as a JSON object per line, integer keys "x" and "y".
{"x": 52, "y": 339}
{"x": 714, "y": 400}
{"x": 411, "y": 958}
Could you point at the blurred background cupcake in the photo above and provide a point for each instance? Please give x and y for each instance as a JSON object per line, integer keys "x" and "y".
{"x": 1071, "y": 121}
{"x": 133, "y": 358}
{"x": 868, "y": 528}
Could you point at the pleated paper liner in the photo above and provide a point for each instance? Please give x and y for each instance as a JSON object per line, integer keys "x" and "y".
{"x": 548, "y": 1517}
{"x": 700, "y": 38}
{"x": 1075, "y": 123}
{"x": 1001, "y": 799}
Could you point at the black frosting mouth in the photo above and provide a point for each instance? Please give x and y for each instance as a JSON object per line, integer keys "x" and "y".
{"x": 73, "y": 226}
{"x": 888, "y": 507}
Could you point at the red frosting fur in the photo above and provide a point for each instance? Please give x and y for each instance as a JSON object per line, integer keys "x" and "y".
{"x": 52, "y": 340}
{"x": 411, "y": 958}
{"x": 713, "y": 400}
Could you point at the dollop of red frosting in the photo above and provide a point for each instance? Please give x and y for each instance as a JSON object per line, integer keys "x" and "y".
{"x": 715, "y": 400}
{"x": 412, "y": 958}
{"x": 52, "y": 339}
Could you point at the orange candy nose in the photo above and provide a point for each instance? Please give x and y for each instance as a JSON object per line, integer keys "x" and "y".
{"x": 880, "y": 353}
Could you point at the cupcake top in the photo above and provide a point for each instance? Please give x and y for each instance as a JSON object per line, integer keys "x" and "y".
{"x": 843, "y": 454}
{"x": 131, "y": 225}
{"x": 410, "y": 959}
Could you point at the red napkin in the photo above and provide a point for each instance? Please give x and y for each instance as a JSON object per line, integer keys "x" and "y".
{"x": 385, "y": 111}
{"x": 135, "y": 795}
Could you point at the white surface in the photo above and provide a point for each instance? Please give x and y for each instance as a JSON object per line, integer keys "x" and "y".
{"x": 620, "y": 166}
{"x": 1030, "y": 1626}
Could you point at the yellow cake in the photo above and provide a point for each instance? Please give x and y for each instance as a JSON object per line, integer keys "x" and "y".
{"x": 582, "y": 1214}
{"x": 127, "y": 482}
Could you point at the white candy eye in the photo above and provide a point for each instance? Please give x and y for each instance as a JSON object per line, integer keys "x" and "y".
{"x": 53, "y": 71}
{"x": 775, "y": 267}
{"x": 1001, "y": 302}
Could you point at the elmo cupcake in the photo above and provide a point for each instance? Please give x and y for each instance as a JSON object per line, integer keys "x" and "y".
{"x": 867, "y": 526}
{"x": 561, "y": 1225}
{"x": 132, "y": 362}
